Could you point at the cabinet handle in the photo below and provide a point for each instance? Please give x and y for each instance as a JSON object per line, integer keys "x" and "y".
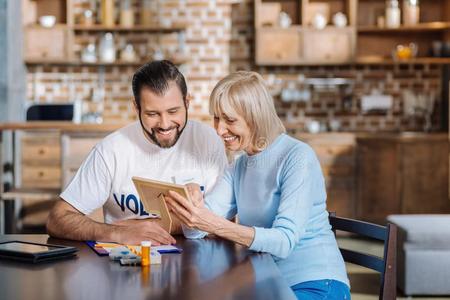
{"x": 41, "y": 151}
{"x": 41, "y": 174}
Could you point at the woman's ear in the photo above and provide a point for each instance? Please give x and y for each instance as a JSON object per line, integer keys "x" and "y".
{"x": 135, "y": 106}
{"x": 189, "y": 97}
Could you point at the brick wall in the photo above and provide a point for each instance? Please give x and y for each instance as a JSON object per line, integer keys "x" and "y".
{"x": 338, "y": 103}
{"x": 205, "y": 43}
{"x": 219, "y": 39}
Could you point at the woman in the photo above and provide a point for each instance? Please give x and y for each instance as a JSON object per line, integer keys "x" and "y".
{"x": 277, "y": 189}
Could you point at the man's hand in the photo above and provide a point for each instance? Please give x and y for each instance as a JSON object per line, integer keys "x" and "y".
{"x": 132, "y": 232}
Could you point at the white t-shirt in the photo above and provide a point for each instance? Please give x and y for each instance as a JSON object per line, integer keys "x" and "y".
{"x": 104, "y": 178}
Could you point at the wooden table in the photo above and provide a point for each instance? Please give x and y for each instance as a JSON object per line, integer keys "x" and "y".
{"x": 207, "y": 269}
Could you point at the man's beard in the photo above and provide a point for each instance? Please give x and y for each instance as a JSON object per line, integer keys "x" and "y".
{"x": 164, "y": 144}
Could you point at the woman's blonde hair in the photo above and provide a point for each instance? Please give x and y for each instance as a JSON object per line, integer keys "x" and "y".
{"x": 245, "y": 93}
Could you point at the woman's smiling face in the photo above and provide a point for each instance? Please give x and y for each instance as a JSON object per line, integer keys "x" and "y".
{"x": 234, "y": 131}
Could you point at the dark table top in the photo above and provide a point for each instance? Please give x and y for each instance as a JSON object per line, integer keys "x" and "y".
{"x": 207, "y": 269}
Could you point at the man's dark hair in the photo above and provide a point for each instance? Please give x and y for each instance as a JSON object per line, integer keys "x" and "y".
{"x": 156, "y": 76}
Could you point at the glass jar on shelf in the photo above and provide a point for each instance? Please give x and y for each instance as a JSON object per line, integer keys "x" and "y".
{"x": 89, "y": 54}
{"x": 88, "y": 18}
{"x": 411, "y": 12}
{"x": 147, "y": 12}
{"x": 392, "y": 14}
{"x": 128, "y": 54}
{"x": 107, "y": 9}
{"x": 126, "y": 13}
{"x": 107, "y": 48}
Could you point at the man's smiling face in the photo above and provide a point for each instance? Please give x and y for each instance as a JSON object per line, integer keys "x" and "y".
{"x": 163, "y": 116}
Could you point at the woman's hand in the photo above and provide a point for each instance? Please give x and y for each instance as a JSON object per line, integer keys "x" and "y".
{"x": 194, "y": 215}
{"x": 196, "y": 194}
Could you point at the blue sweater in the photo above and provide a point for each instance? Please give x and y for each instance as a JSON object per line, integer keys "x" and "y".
{"x": 280, "y": 192}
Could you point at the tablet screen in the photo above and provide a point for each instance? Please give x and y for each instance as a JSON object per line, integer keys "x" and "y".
{"x": 27, "y": 248}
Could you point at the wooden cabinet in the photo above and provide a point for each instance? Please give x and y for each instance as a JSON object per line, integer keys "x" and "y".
{"x": 41, "y": 160}
{"x": 49, "y": 160}
{"x": 40, "y": 177}
{"x": 330, "y": 45}
{"x": 372, "y": 176}
{"x": 64, "y": 43}
{"x": 337, "y": 157}
{"x": 424, "y": 177}
{"x": 377, "y": 180}
{"x": 301, "y": 43}
{"x": 402, "y": 175}
{"x": 296, "y": 45}
{"x": 363, "y": 40}
{"x": 46, "y": 43}
{"x": 276, "y": 44}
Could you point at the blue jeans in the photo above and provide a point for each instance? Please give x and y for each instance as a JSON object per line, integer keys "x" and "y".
{"x": 322, "y": 289}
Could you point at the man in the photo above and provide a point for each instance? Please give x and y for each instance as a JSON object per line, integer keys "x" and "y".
{"x": 163, "y": 145}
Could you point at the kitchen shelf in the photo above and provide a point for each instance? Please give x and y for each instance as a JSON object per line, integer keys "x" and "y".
{"x": 75, "y": 63}
{"x": 136, "y": 28}
{"x": 56, "y": 26}
{"x": 375, "y": 61}
{"x": 32, "y": 194}
{"x": 388, "y": 61}
{"x": 422, "y": 27}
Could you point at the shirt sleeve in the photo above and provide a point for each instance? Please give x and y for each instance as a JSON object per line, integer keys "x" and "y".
{"x": 301, "y": 182}
{"x": 91, "y": 185}
{"x": 220, "y": 201}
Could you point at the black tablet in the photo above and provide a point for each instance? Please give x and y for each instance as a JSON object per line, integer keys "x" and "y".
{"x": 34, "y": 252}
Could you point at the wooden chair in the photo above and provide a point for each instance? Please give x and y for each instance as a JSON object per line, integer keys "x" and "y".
{"x": 385, "y": 265}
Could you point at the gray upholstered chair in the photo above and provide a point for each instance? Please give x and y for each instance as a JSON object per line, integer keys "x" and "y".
{"x": 423, "y": 252}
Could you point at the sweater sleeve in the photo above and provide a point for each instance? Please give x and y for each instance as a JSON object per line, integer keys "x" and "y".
{"x": 220, "y": 201}
{"x": 301, "y": 182}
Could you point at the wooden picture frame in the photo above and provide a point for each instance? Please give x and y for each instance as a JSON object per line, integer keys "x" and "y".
{"x": 151, "y": 193}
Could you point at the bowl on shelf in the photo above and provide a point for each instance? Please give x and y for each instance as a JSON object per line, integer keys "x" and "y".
{"x": 404, "y": 52}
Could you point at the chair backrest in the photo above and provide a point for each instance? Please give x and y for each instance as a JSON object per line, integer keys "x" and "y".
{"x": 385, "y": 265}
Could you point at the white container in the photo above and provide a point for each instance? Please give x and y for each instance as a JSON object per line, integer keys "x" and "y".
{"x": 128, "y": 54}
{"x": 319, "y": 21}
{"x": 126, "y": 13}
{"x": 107, "y": 49}
{"x": 284, "y": 20}
{"x": 411, "y": 12}
{"x": 77, "y": 111}
{"x": 47, "y": 21}
{"x": 340, "y": 20}
{"x": 313, "y": 126}
{"x": 89, "y": 54}
{"x": 376, "y": 102}
{"x": 392, "y": 14}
